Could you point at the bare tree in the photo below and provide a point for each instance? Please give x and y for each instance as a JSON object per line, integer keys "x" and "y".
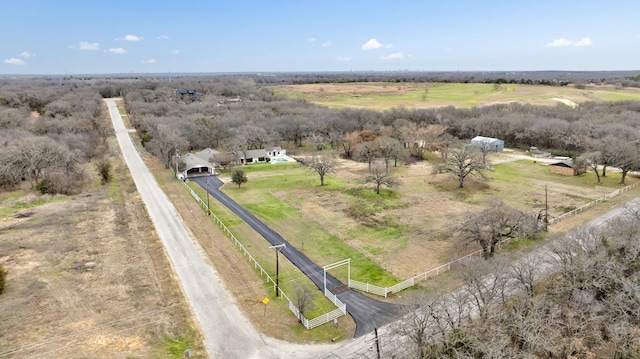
{"x": 366, "y": 151}
{"x": 348, "y": 142}
{"x": 627, "y": 158}
{"x": 379, "y": 177}
{"x": 321, "y": 164}
{"x": 417, "y": 326}
{"x": 42, "y": 153}
{"x": 167, "y": 142}
{"x": 485, "y": 282}
{"x": 484, "y": 147}
{"x": 419, "y": 138}
{"x": 304, "y": 299}
{"x": 495, "y": 223}
{"x": 388, "y": 148}
{"x": 527, "y": 271}
{"x": 593, "y": 159}
{"x": 318, "y": 140}
{"x": 461, "y": 163}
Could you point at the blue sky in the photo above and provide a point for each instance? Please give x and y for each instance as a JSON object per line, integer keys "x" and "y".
{"x": 140, "y": 36}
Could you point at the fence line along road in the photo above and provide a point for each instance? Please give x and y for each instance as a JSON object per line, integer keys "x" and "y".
{"x": 434, "y": 272}
{"x": 226, "y": 332}
{"x": 309, "y": 324}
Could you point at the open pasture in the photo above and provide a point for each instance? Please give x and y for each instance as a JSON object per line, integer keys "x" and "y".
{"x": 406, "y": 230}
{"x": 383, "y": 96}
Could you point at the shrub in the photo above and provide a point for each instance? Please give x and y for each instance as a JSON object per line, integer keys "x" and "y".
{"x": 46, "y": 186}
{"x": 238, "y": 176}
{"x": 104, "y": 170}
{"x": 3, "y": 277}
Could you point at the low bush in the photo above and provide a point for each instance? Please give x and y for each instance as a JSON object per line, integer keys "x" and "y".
{"x": 3, "y": 277}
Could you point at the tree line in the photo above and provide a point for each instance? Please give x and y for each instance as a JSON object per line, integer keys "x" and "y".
{"x": 69, "y": 112}
{"x": 48, "y": 131}
{"x": 605, "y": 133}
{"x": 577, "y": 298}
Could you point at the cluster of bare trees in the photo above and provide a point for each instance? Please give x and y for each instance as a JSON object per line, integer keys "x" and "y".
{"x": 69, "y": 111}
{"x": 48, "y": 130}
{"x": 578, "y": 298}
{"x": 608, "y": 133}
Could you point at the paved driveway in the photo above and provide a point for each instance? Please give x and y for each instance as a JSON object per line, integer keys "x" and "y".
{"x": 368, "y": 313}
{"x": 227, "y": 332}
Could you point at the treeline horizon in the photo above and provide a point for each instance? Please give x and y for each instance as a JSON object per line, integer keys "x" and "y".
{"x": 69, "y": 113}
{"x": 626, "y": 78}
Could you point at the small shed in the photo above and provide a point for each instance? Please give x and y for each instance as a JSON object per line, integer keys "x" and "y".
{"x": 565, "y": 167}
{"x": 494, "y": 144}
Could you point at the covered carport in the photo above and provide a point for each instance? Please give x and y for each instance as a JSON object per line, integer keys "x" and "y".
{"x": 195, "y": 166}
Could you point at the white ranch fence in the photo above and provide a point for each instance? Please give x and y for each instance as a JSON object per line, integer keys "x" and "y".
{"x": 385, "y": 291}
{"x": 308, "y": 323}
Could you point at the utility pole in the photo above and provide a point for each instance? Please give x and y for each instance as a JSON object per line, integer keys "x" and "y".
{"x": 177, "y": 156}
{"x": 546, "y": 209}
{"x": 375, "y": 330}
{"x": 207, "y": 189}
{"x": 278, "y": 248}
{"x": 545, "y": 218}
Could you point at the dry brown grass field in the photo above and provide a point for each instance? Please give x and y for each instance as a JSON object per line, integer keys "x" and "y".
{"x": 430, "y": 207}
{"x": 383, "y": 96}
{"x": 88, "y": 278}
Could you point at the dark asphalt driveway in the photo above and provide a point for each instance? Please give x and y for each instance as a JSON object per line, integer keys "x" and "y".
{"x": 368, "y": 313}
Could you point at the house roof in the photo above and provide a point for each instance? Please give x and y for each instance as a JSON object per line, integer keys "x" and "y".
{"x": 192, "y": 161}
{"x": 484, "y": 139}
{"x": 254, "y": 153}
{"x": 207, "y": 154}
{"x": 566, "y": 163}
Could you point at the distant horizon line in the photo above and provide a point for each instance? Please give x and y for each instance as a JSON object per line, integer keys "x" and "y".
{"x": 259, "y": 73}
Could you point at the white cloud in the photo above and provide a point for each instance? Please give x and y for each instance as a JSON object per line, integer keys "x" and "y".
{"x": 86, "y": 45}
{"x": 584, "y": 42}
{"x": 395, "y": 56}
{"x": 14, "y": 61}
{"x": 562, "y": 42}
{"x": 371, "y": 44}
{"x": 326, "y": 43}
{"x": 27, "y": 54}
{"x": 129, "y": 37}
{"x": 163, "y": 37}
{"x": 311, "y": 39}
{"x": 148, "y": 61}
{"x": 117, "y": 50}
{"x": 344, "y": 58}
{"x": 175, "y": 52}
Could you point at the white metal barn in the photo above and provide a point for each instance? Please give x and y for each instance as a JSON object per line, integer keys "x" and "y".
{"x": 494, "y": 144}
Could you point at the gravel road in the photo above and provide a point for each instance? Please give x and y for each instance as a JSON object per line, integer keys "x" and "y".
{"x": 227, "y": 332}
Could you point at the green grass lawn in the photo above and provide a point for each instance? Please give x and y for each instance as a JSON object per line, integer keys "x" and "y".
{"x": 290, "y": 277}
{"x": 274, "y": 194}
{"x": 309, "y": 237}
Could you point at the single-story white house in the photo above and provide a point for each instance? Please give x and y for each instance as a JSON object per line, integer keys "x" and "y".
{"x": 493, "y": 144}
{"x": 271, "y": 154}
